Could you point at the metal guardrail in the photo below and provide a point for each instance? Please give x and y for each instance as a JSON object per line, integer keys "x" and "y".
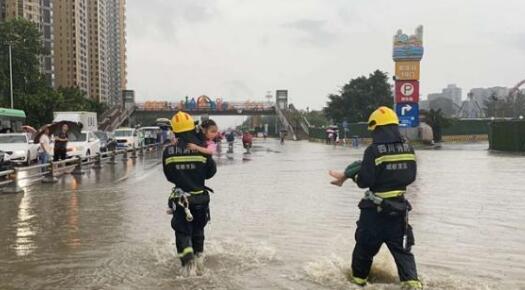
{"x": 48, "y": 173}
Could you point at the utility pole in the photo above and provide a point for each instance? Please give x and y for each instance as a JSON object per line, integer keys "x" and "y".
{"x": 11, "y": 75}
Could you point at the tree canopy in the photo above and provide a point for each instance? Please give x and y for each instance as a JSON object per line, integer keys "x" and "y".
{"x": 359, "y": 98}
{"x": 30, "y": 90}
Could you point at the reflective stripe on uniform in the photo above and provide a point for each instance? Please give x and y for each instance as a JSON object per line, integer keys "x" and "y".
{"x": 186, "y": 251}
{"x": 185, "y": 159}
{"x": 395, "y": 158}
{"x": 411, "y": 284}
{"x": 358, "y": 281}
{"x": 195, "y": 192}
{"x": 390, "y": 194}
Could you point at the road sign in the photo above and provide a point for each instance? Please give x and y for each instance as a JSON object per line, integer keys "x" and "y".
{"x": 408, "y": 114}
{"x": 407, "y": 91}
{"x": 407, "y": 70}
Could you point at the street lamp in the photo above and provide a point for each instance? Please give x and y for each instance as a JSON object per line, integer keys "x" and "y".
{"x": 11, "y": 74}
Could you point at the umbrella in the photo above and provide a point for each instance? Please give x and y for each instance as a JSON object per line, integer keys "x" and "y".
{"x": 54, "y": 128}
{"x": 29, "y": 129}
{"x": 329, "y": 130}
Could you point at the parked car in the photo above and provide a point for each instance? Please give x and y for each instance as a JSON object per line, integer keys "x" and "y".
{"x": 4, "y": 161}
{"x": 19, "y": 148}
{"x": 107, "y": 141}
{"x": 83, "y": 144}
{"x": 126, "y": 137}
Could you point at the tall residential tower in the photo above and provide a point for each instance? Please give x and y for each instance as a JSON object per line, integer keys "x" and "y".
{"x": 71, "y": 44}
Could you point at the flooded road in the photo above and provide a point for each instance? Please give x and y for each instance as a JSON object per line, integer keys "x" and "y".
{"x": 276, "y": 224}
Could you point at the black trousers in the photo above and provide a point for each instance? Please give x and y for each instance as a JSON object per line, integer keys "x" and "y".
{"x": 59, "y": 154}
{"x": 374, "y": 229}
{"x": 189, "y": 236}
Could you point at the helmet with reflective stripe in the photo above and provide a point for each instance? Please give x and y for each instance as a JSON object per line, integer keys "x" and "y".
{"x": 182, "y": 122}
{"x": 381, "y": 117}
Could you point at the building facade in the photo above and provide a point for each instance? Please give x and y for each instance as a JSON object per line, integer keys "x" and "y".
{"x": 46, "y": 24}
{"x": 116, "y": 12}
{"x": 39, "y": 12}
{"x": 71, "y": 44}
{"x": 85, "y": 41}
{"x": 482, "y": 95}
{"x": 28, "y": 9}
{"x": 98, "y": 48}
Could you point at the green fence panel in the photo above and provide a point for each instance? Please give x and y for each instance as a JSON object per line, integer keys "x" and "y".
{"x": 507, "y": 135}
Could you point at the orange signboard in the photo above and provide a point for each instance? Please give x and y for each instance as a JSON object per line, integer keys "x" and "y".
{"x": 407, "y": 70}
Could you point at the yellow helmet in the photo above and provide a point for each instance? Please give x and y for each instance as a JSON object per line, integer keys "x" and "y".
{"x": 382, "y": 116}
{"x": 182, "y": 122}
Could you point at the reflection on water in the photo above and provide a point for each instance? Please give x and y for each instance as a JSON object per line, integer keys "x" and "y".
{"x": 72, "y": 219}
{"x": 276, "y": 224}
{"x": 24, "y": 244}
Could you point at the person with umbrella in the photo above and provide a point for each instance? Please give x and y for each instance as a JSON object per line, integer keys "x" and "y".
{"x": 44, "y": 151}
{"x": 60, "y": 150}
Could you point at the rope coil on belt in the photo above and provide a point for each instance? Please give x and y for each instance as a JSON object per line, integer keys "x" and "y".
{"x": 182, "y": 200}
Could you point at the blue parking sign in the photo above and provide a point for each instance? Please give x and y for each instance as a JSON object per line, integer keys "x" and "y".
{"x": 408, "y": 114}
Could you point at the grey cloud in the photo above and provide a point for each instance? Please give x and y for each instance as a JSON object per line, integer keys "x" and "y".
{"x": 238, "y": 89}
{"x": 161, "y": 18}
{"x": 313, "y": 31}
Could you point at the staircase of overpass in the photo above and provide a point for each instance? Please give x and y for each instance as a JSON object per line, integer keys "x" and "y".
{"x": 115, "y": 117}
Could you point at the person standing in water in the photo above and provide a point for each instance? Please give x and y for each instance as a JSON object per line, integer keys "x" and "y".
{"x": 189, "y": 201}
{"x": 388, "y": 167}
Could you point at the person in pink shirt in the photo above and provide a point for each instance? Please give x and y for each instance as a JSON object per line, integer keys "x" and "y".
{"x": 209, "y": 130}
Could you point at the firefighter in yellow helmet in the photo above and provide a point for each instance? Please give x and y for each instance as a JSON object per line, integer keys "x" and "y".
{"x": 189, "y": 201}
{"x": 388, "y": 167}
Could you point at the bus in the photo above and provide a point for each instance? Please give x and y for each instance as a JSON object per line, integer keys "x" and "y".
{"x": 11, "y": 120}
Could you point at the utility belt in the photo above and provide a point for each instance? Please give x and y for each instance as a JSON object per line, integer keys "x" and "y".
{"x": 197, "y": 199}
{"x": 390, "y": 203}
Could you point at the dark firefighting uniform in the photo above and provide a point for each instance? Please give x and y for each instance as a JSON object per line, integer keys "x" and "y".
{"x": 188, "y": 170}
{"x": 388, "y": 166}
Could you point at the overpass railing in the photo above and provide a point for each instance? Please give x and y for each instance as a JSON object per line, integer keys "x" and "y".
{"x": 226, "y": 106}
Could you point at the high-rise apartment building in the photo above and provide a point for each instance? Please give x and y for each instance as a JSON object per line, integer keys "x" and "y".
{"x": 71, "y": 33}
{"x": 116, "y": 12}
{"x": 39, "y": 12}
{"x": 46, "y": 26}
{"x": 451, "y": 92}
{"x": 98, "y": 49}
{"x": 28, "y": 9}
{"x": 85, "y": 41}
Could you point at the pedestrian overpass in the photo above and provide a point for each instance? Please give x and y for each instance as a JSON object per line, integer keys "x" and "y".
{"x": 147, "y": 113}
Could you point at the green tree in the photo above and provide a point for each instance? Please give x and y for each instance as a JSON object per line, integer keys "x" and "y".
{"x": 26, "y": 47}
{"x": 316, "y": 118}
{"x": 360, "y": 97}
{"x": 31, "y": 92}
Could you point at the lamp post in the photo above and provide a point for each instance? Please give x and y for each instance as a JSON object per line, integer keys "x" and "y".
{"x": 11, "y": 74}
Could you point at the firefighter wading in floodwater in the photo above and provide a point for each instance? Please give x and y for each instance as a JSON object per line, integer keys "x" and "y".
{"x": 190, "y": 199}
{"x": 388, "y": 166}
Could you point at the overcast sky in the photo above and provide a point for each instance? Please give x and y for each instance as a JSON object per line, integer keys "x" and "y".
{"x": 240, "y": 49}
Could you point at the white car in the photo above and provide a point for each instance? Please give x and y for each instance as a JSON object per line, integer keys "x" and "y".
{"x": 19, "y": 148}
{"x": 126, "y": 137}
{"x": 84, "y": 145}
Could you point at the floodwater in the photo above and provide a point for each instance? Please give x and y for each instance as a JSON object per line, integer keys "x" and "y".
{"x": 276, "y": 224}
